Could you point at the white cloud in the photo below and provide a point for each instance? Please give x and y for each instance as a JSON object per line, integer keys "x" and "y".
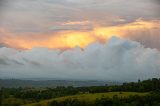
{"x": 118, "y": 59}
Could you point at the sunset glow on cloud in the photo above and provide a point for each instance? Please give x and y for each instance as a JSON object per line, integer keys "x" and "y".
{"x": 71, "y": 39}
{"x": 74, "y": 39}
{"x": 118, "y": 59}
{"x": 67, "y": 23}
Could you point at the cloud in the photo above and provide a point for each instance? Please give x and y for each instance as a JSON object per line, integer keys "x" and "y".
{"x": 41, "y": 22}
{"x": 145, "y": 32}
{"x": 3, "y": 45}
{"x": 76, "y": 23}
{"x": 118, "y": 59}
{"x": 38, "y": 15}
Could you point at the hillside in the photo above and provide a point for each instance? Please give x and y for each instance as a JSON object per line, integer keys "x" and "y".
{"x": 88, "y": 97}
{"x": 128, "y": 94}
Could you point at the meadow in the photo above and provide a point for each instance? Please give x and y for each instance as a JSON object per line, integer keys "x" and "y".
{"x": 88, "y": 97}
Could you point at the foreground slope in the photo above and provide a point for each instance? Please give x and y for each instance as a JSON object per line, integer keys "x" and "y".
{"x": 88, "y": 97}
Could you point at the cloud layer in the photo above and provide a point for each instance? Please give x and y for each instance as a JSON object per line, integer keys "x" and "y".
{"x": 66, "y": 23}
{"x": 117, "y": 59}
{"x": 145, "y": 32}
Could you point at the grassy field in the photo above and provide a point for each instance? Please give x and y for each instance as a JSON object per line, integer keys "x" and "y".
{"x": 88, "y": 97}
{"x": 13, "y": 100}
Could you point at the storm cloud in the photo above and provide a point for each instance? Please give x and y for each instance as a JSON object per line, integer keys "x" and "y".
{"x": 118, "y": 59}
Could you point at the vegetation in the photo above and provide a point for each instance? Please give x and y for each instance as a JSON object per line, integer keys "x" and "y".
{"x": 87, "y": 98}
{"x": 127, "y": 94}
{"x": 134, "y": 100}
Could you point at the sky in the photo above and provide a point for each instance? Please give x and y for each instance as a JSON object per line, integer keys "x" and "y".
{"x": 83, "y": 39}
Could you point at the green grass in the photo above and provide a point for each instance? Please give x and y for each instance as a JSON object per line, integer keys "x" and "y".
{"x": 88, "y": 97}
{"x": 13, "y": 100}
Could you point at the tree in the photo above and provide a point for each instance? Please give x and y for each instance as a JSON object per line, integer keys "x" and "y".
{"x": 0, "y": 97}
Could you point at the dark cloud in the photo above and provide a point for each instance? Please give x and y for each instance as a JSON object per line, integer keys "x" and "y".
{"x": 3, "y": 4}
{"x": 3, "y": 61}
{"x": 31, "y": 62}
{"x": 3, "y": 45}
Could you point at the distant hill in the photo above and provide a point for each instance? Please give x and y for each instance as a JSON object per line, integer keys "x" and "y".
{"x": 52, "y": 83}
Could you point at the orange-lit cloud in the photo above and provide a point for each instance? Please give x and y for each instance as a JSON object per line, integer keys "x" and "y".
{"x": 124, "y": 30}
{"x": 76, "y": 23}
{"x": 70, "y": 39}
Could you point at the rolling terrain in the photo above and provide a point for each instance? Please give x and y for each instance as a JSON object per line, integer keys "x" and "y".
{"x": 88, "y": 97}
